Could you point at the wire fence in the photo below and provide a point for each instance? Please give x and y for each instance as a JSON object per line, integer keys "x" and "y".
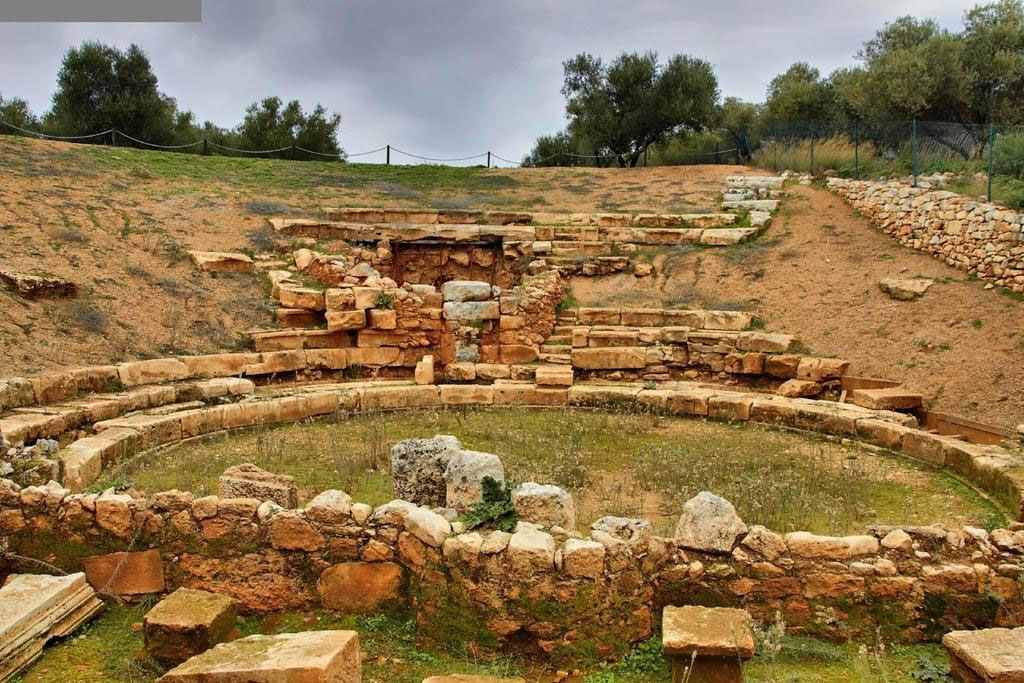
{"x": 971, "y": 156}
{"x": 975, "y": 154}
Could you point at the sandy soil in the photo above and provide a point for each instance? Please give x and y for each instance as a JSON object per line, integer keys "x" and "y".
{"x": 814, "y": 273}
{"x": 118, "y": 222}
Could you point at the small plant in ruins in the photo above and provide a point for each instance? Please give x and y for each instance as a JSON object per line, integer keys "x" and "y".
{"x": 385, "y": 300}
{"x": 495, "y": 510}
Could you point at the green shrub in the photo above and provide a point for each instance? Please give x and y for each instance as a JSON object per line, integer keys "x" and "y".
{"x": 1008, "y": 155}
{"x": 495, "y": 510}
{"x": 385, "y": 300}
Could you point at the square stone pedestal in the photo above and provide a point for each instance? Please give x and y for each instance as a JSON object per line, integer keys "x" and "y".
{"x": 706, "y": 644}
{"x": 988, "y": 654}
{"x": 186, "y": 623}
{"x": 307, "y": 657}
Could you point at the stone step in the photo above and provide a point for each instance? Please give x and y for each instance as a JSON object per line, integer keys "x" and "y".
{"x": 556, "y": 349}
{"x": 564, "y": 327}
{"x": 560, "y": 338}
{"x": 554, "y": 359}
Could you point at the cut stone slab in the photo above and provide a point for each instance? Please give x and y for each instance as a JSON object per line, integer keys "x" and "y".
{"x": 987, "y": 655}
{"x": 706, "y": 643}
{"x": 889, "y": 398}
{"x": 249, "y": 481}
{"x": 221, "y": 261}
{"x": 359, "y": 587}
{"x": 187, "y": 623}
{"x": 554, "y": 375}
{"x": 472, "y": 310}
{"x": 35, "y": 608}
{"x": 544, "y": 504}
{"x": 709, "y": 523}
{"x": 306, "y": 657}
{"x": 125, "y": 574}
{"x": 464, "y": 477}
{"x": 418, "y": 466}
{"x": 38, "y": 286}
{"x": 471, "y": 678}
{"x": 905, "y": 289}
{"x": 466, "y": 290}
{"x": 425, "y": 370}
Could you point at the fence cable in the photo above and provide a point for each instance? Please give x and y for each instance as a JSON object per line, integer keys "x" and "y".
{"x": 250, "y": 151}
{"x": 416, "y": 156}
{"x": 153, "y": 144}
{"x": 57, "y": 137}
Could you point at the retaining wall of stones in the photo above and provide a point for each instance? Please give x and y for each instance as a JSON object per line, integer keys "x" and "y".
{"x": 974, "y": 236}
{"x": 572, "y": 596}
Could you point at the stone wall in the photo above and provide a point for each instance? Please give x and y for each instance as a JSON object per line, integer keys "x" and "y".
{"x": 574, "y": 597}
{"x": 974, "y": 236}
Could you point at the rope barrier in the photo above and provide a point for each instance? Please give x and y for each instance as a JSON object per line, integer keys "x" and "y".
{"x": 57, "y": 137}
{"x": 416, "y": 156}
{"x": 340, "y": 155}
{"x": 153, "y": 144}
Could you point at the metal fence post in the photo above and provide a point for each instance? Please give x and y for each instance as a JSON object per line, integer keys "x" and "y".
{"x": 991, "y": 144}
{"x": 113, "y": 137}
{"x": 718, "y": 159}
{"x": 913, "y": 152}
{"x": 206, "y": 148}
{"x": 387, "y": 159}
{"x": 293, "y": 152}
{"x": 812, "y": 148}
{"x": 488, "y": 158}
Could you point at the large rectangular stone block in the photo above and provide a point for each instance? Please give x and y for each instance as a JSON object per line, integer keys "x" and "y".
{"x": 307, "y": 657}
{"x": 187, "y": 623}
{"x": 472, "y": 310}
{"x": 620, "y": 358}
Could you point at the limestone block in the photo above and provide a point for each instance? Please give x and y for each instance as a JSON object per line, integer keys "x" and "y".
{"x": 554, "y": 375}
{"x": 249, "y": 481}
{"x": 464, "y": 475}
{"x": 214, "y": 365}
{"x": 727, "y": 320}
{"x": 373, "y": 357}
{"x": 990, "y": 654}
{"x": 125, "y": 574}
{"x": 383, "y": 319}
{"x": 905, "y": 289}
{"x": 583, "y": 558}
{"x": 821, "y": 369}
{"x": 764, "y": 542}
{"x": 285, "y": 657}
{"x": 418, "y": 469}
{"x": 330, "y": 507}
{"x": 620, "y": 358}
{"x": 186, "y": 623}
{"x": 530, "y": 551}
{"x": 221, "y": 261}
{"x": 466, "y": 394}
{"x": 889, "y": 398}
{"x": 425, "y": 370}
{"x": 366, "y": 297}
{"x": 327, "y": 359}
{"x": 764, "y": 341}
{"x": 339, "y": 299}
{"x": 799, "y": 388}
{"x": 544, "y": 504}
{"x": 599, "y": 316}
{"x": 359, "y": 587}
{"x": 465, "y": 290}
{"x": 517, "y": 353}
{"x": 811, "y": 546}
{"x": 305, "y": 298}
{"x": 472, "y": 310}
{"x": 428, "y": 526}
{"x": 273, "y": 362}
{"x": 152, "y": 371}
{"x": 346, "y": 320}
{"x": 460, "y": 372}
{"x": 709, "y": 523}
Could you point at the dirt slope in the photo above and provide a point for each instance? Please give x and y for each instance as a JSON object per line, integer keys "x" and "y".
{"x": 118, "y": 222}
{"x": 814, "y": 273}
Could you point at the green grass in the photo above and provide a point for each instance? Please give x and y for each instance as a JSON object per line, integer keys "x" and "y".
{"x": 783, "y": 480}
{"x": 108, "y": 649}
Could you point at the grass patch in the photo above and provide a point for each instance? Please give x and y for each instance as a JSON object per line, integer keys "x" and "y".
{"x": 782, "y": 480}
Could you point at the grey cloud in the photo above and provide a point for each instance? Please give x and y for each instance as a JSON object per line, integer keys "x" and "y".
{"x": 450, "y": 77}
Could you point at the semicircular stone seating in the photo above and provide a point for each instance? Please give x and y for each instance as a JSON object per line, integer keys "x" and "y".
{"x": 564, "y": 592}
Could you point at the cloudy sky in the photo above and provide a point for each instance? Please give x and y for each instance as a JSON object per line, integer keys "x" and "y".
{"x": 449, "y": 78}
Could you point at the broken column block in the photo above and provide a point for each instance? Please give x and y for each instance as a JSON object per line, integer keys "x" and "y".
{"x": 186, "y": 623}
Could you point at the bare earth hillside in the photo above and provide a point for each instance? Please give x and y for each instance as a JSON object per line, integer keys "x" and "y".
{"x": 118, "y": 222}
{"x": 814, "y": 273}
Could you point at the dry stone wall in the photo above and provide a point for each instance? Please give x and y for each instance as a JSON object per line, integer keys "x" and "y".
{"x": 974, "y": 236}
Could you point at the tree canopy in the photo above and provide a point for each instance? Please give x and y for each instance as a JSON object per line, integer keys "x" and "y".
{"x": 633, "y": 102}
{"x": 100, "y": 87}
